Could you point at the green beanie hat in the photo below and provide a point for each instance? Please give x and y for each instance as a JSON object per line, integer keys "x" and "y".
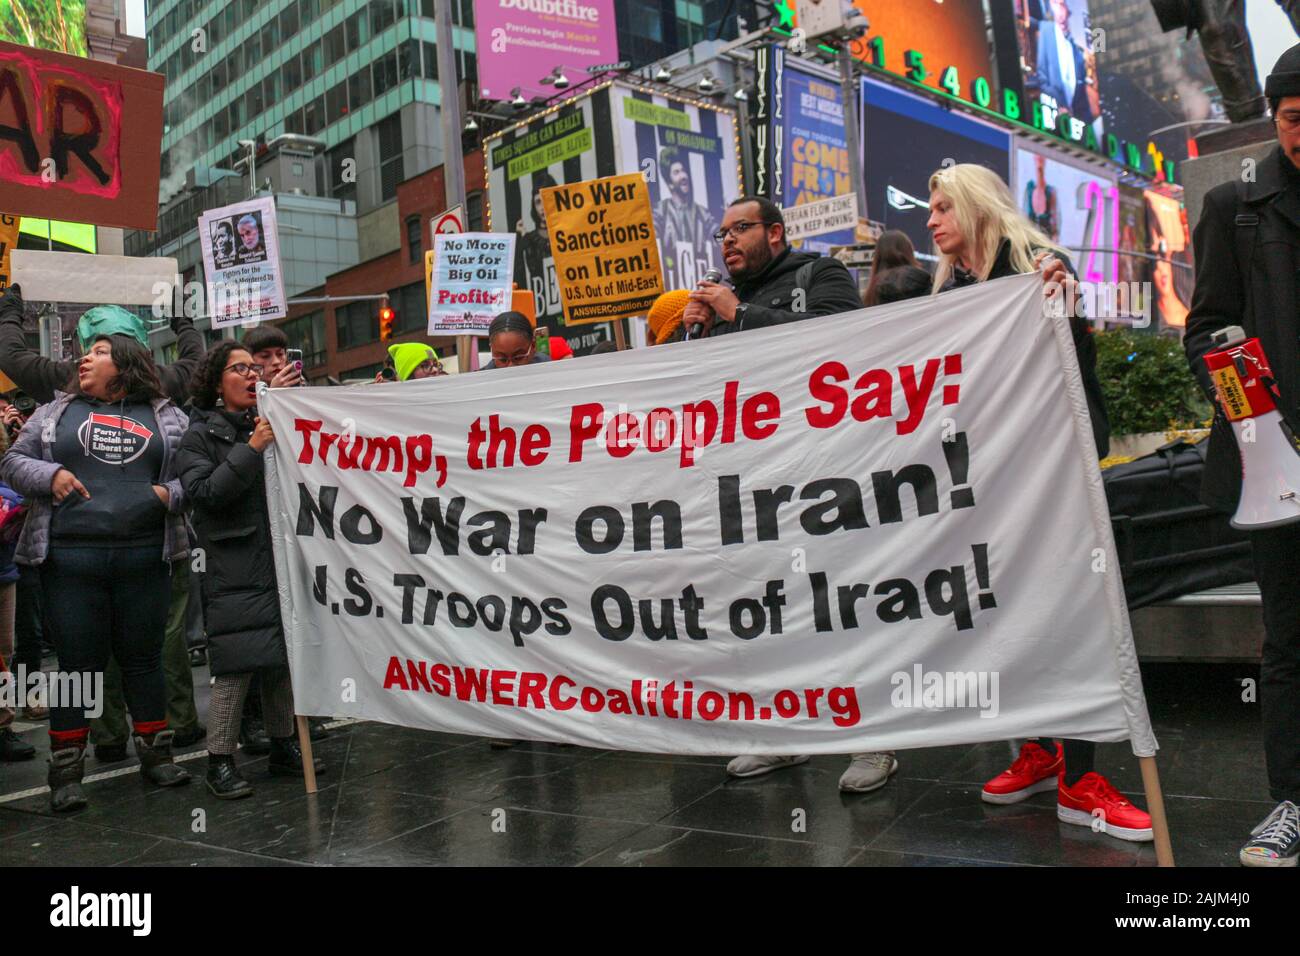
{"x": 408, "y": 356}
{"x": 111, "y": 320}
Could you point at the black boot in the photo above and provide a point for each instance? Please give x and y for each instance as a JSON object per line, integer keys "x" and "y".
{"x": 253, "y": 738}
{"x": 156, "y": 763}
{"x": 316, "y": 728}
{"x": 66, "y": 767}
{"x": 224, "y": 780}
{"x": 13, "y": 747}
{"x": 286, "y": 758}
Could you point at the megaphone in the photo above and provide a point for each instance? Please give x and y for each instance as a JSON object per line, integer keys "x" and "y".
{"x": 1270, "y": 451}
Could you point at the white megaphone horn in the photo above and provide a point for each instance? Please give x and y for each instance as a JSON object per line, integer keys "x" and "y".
{"x": 1270, "y": 451}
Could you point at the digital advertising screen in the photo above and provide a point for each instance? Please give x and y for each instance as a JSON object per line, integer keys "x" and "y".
{"x": 1172, "y": 278}
{"x": 1075, "y": 207}
{"x": 909, "y": 137}
{"x": 1058, "y": 61}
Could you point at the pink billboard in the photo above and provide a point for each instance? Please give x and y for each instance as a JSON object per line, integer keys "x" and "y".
{"x": 521, "y": 41}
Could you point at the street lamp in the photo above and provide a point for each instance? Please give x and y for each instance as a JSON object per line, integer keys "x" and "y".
{"x": 251, "y": 159}
{"x": 556, "y": 78}
{"x": 517, "y": 99}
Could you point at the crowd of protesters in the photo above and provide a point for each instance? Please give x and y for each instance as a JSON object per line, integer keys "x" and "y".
{"x": 116, "y": 468}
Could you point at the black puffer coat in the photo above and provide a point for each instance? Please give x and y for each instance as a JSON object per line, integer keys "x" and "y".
{"x": 222, "y": 478}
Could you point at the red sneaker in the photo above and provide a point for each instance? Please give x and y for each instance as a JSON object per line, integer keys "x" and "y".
{"x": 1093, "y": 802}
{"x": 1034, "y": 771}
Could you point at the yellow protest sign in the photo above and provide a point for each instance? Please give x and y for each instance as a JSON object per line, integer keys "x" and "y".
{"x": 9, "y": 226}
{"x": 603, "y": 241}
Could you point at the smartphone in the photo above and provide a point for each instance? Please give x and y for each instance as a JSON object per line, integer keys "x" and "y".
{"x": 294, "y": 357}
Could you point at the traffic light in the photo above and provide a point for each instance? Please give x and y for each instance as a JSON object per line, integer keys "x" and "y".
{"x": 386, "y": 318}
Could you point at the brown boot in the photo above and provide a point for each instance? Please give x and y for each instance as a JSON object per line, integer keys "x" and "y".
{"x": 156, "y": 764}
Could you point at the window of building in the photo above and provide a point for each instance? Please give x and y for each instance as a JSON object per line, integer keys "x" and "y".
{"x": 381, "y": 16}
{"x": 291, "y": 73}
{"x": 408, "y": 60}
{"x": 288, "y": 21}
{"x": 307, "y": 332}
{"x": 357, "y": 324}
{"x": 271, "y": 88}
{"x": 474, "y": 212}
{"x": 235, "y": 63}
{"x": 336, "y": 102}
{"x": 313, "y": 116}
{"x": 359, "y": 89}
{"x": 384, "y": 71}
{"x": 253, "y": 101}
{"x": 270, "y": 35}
{"x": 308, "y": 10}
{"x": 253, "y": 50}
{"x": 390, "y": 152}
{"x": 293, "y": 122}
{"x": 219, "y": 76}
{"x": 409, "y": 303}
{"x": 414, "y": 254}
{"x": 313, "y": 61}
{"x": 338, "y": 161}
{"x": 430, "y": 61}
{"x": 466, "y": 18}
{"x": 355, "y": 30}
{"x": 238, "y": 114}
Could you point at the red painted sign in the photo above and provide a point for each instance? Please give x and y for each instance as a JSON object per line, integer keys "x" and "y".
{"x": 79, "y": 140}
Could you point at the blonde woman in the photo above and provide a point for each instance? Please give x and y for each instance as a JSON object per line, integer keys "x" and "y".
{"x": 980, "y": 234}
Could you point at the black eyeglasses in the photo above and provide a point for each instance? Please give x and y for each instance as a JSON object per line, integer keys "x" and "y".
{"x": 243, "y": 368}
{"x": 737, "y": 229}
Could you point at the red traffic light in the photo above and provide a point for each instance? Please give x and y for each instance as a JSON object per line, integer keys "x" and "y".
{"x": 386, "y": 317}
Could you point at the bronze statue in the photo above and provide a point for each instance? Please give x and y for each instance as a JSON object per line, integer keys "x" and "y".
{"x": 1221, "y": 25}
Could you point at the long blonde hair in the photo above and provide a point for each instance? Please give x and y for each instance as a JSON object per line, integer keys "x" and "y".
{"x": 986, "y": 215}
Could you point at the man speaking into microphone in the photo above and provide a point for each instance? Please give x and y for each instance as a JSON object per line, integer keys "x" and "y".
{"x": 773, "y": 283}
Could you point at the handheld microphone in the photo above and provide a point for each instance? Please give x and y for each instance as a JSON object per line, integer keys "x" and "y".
{"x": 694, "y": 332}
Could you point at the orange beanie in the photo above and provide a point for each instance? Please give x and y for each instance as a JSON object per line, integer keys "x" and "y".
{"x": 666, "y": 314}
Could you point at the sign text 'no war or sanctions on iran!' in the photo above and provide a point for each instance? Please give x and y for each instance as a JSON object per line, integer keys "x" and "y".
{"x": 603, "y": 241}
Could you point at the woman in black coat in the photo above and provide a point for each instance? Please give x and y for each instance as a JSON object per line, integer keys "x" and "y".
{"x": 220, "y": 463}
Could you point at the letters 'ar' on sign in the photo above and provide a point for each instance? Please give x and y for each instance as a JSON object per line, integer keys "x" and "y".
{"x": 79, "y": 139}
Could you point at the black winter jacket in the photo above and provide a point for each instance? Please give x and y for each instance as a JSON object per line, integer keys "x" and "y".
{"x": 1085, "y": 349}
{"x": 41, "y": 377}
{"x": 770, "y": 295}
{"x": 222, "y": 478}
{"x": 1266, "y": 304}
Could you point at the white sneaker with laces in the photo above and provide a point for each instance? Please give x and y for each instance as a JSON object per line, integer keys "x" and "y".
{"x": 868, "y": 772}
{"x": 752, "y": 765}
{"x": 1276, "y": 841}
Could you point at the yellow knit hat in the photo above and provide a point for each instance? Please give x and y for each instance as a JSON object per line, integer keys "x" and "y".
{"x": 408, "y": 356}
{"x": 666, "y": 314}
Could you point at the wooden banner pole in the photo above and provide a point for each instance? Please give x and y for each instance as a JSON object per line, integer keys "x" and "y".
{"x": 308, "y": 761}
{"x": 1156, "y": 807}
{"x": 620, "y": 337}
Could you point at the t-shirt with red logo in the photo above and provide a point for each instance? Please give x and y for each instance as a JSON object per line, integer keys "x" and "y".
{"x": 116, "y": 451}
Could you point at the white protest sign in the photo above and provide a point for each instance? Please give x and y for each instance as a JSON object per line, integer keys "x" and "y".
{"x": 879, "y": 530}
{"x": 241, "y": 258}
{"x": 472, "y": 281}
{"x": 824, "y": 215}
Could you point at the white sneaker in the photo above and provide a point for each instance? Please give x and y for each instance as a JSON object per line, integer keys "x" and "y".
{"x": 868, "y": 772}
{"x": 756, "y": 766}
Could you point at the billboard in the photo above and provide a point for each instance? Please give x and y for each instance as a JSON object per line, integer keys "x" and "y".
{"x": 803, "y": 148}
{"x": 45, "y": 24}
{"x": 1058, "y": 62}
{"x": 690, "y": 153}
{"x": 520, "y": 41}
{"x": 907, "y": 138}
{"x": 568, "y": 145}
{"x": 1172, "y": 278}
{"x": 940, "y": 45}
{"x": 1076, "y": 208}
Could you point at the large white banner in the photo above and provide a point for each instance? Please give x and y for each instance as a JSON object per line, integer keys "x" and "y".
{"x": 241, "y": 257}
{"x": 884, "y": 529}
